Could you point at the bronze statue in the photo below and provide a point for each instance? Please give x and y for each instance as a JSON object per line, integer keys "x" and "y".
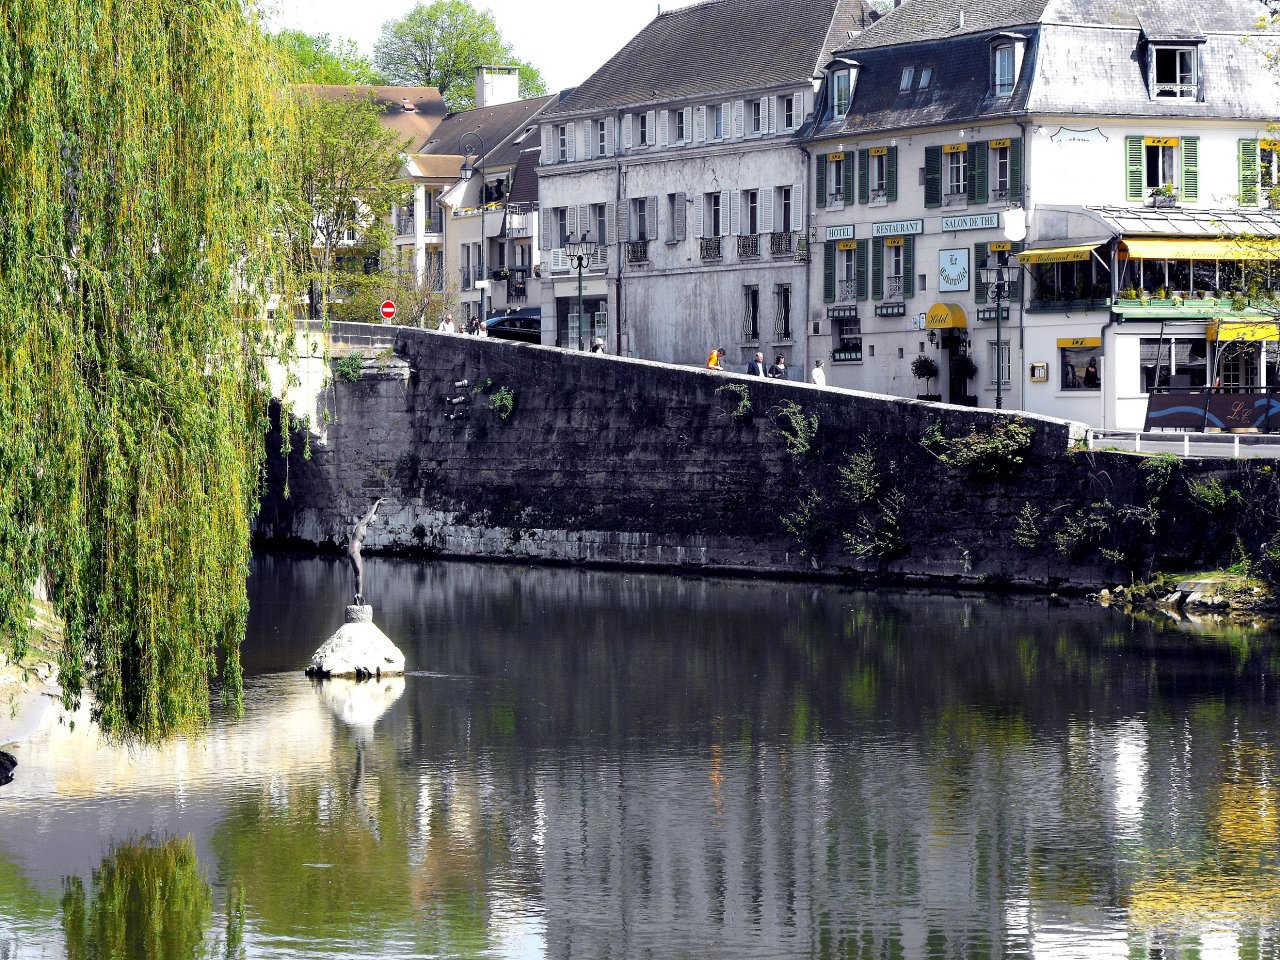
{"x": 353, "y": 549}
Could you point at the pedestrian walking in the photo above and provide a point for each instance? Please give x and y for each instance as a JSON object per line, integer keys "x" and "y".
{"x": 597, "y": 345}
{"x": 819, "y": 375}
{"x": 447, "y": 325}
{"x": 713, "y": 361}
{"x": 756, "y": 367}
{"x": 779, "y": 368}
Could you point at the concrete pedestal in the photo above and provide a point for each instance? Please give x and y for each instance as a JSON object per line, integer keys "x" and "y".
{"x": 359, "y": 649}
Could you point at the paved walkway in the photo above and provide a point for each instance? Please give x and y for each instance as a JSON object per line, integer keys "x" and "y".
{"x": 1236, "y": 445}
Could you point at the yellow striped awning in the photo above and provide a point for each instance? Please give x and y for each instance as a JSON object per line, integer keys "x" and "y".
{"x": 1074, "y": 254}
{"x": 1243, "y": 328}
{"x": 1202, "y": 248}
{"x": 945, "y": 316}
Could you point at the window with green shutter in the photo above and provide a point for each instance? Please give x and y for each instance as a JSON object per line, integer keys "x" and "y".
{"x": 848, "y": 178}
{"x": 829, "y": 272}
{"x": 864, "y": 174}
{"x": 1015, "y": 170}
{"x": 1249, "y": 181}
{"x": 933, "y": 176}
{"x": 877, "y": 268}
{"x": 977, "y": 179}
{"x": 1134, "y": 181}
{"x": 861, "y": 278}
{"x": 1191, "y": 168}
{"x": 891, "y": 175}
{"x": 980, "y": 253}
{"x": 908, "y": 267}
{"x": 820, "y": 178}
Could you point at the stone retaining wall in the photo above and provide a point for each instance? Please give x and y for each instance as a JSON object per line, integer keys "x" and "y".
{"x": 609, "y": 460}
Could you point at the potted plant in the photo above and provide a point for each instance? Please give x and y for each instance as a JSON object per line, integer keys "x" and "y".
{"x": 962, "y": 366}
{"x": 925, "y": 368}
{"x": 1164, "y": 196}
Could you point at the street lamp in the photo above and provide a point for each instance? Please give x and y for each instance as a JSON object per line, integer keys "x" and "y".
{"x": 468, "y": 144}
{"x": 581, "y": 250}
{"x": 997, "y": 275}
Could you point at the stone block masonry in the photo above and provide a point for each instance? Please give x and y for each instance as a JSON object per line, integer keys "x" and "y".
{"x": 556, "y": 455}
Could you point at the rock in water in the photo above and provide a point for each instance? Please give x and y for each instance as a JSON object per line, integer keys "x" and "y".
{"x": 359, "y": 649}
{"x": 7, "y": 763}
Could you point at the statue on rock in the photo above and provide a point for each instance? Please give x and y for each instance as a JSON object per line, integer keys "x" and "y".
{"x": 353, "y": 550}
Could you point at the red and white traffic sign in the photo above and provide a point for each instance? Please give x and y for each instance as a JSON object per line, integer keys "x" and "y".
{"x": 388, "y": 309}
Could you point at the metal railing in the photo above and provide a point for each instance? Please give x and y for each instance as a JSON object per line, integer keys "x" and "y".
{"x": 517, "y": 290}
{"x": 749, "y": 246}
{"x": 466, "y": 277}
{"x": 709, "y": 248}
{"x": 404, "y": 223}
{"x": 637, "y": 251}
{"x": 877, "y": 198}
{"x": 846, "y": 291}
{"x": 782, "y": 244}
{"x": 893, "y": 288}
{"x": 782, "y": 327}
{"x": 750, "y": 329}
{"x": 850, "y": 328}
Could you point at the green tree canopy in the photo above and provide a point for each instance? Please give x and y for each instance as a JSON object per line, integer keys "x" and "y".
{"x": 440, "y": 45}
{"x": 317, "y": 58}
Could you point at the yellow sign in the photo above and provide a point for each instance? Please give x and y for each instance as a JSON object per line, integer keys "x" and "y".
{"x": 1057, "y": 255}
{"x": 895, "y": 241}
{"x": 847, "y": 245}
{"x": 1079, "y": 342}
{"x": 1269, "y": 144}
{"x": 1161, "y": 141}
{"x": 955, "y": 148}
{"x": 1250, "y": 329}
{"x": 1195, "y": 248}
{"x": 999, "y": 246}
{"x": 945, "y": 316}
{"x": 997, "y": 144}
{"x": 835, "y": 157}
{"x": 879, "y": 151}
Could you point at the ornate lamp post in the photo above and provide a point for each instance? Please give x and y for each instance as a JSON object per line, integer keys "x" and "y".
{"x": 470, "y": 144}
{"x": 997, "y": 275}
{"x": 581, "y": 250}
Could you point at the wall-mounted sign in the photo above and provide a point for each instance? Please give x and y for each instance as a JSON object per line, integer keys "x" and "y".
{"x": 1161, "y": 141}
{"x": 835, "y": 157}
{"x": 895, "y": 241}
{"x": 999, "y": 246}
{"x": 847, "y": 245}
{"x": 997, "y": 144}
{"x": 1079, "y": 342}
{"x": 953, "y": 269}
{"x": 897, "y": 228}
{"x": 1269, "y": 144}
{"x": 1038, "y": 373}
{"x": 979, "y": 221}
{"x": 840, "y": 233}
{"x": 955, "y": 148}
{"x": 878, "y": 152}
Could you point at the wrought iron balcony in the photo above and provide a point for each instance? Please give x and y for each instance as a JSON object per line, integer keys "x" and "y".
{"x": 877, "y": 198}
{"x": 709, "y": 248}
{"x": 404, "y": 223}
{"x": 517, "y": 290}
{"x": 846, "y": 291}
{"x": 637, "y": 251}
{"x": 893, "y": 288}
{"x": 782, "y": 244}
{"x": 749, "y": 246}
{"x": 466, "y": 278}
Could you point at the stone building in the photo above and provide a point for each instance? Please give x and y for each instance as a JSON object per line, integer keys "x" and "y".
{"x": 676, "y": 158}
{"x": 1118, "y": 151}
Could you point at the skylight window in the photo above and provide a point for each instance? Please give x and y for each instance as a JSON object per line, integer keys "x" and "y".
{"x": 908, "y": 74}
{"x": 926, "y": 77}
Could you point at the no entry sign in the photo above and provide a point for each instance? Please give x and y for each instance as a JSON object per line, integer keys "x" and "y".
{"x": 388, "y": 309}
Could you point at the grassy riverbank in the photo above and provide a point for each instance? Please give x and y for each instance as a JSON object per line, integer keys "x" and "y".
{"x": 1228, "y": 592}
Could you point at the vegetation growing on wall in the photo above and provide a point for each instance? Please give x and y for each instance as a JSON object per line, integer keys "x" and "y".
{"x": 796, "y": 427}
{"x": 999, "y": 452}
{"x": 138, "y": 175}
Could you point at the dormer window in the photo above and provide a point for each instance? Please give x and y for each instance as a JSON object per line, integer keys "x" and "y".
{"x": 840, "y": 93}
{"x": 908, "y": 75}
{"x": 842, "y": 77}
{"x": 1006, "y": 62}
{"x": 926, "y": 77}
{"x": 1173, "y": 72}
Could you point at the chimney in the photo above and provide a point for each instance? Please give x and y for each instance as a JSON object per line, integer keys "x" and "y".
{"x": 496, "y": 85}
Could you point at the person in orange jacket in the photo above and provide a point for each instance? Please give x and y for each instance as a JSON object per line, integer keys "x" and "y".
{"x": 713, "y": 361}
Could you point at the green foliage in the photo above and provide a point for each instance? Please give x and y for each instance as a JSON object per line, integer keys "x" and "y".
{"x": 878, "y": 534}
{"x": 318, "y": 58}
{"x": 739, "y": 390}
{"x": 1026, "y": 530}
{"x": 859, "y": 478}
{"x": 502, "y": 402}
{"x": 1001, "y": 452}
{"x": 441, "y": 44}
{"x": 350, "y": 368}
{"x": 139, "y": 180}
{"x": 1160, "y": 471}
{"x": 962, "y": 366}
{"x": 924, "y": 368}
{"x": 805, "y": 524}
{"x": 1211, "y": 494}
{"x": 796, "y": 428}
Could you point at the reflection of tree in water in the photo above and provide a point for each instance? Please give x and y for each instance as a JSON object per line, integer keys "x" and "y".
{"x": 147, "y": 899}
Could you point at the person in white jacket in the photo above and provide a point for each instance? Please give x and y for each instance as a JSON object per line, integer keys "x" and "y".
{"x": 818, "y": 375}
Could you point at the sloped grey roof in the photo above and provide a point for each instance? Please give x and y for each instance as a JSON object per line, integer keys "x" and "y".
{"x": 715, "y": 47}
{"x": 919, "y": 20}
{"x": 524, "y": 181}
{"x": 1167, "y": 222}
{"x": 1110, "y": 79}
{"x": 497, "y": 126}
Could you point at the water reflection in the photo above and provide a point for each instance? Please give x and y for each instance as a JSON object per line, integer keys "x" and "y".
{"x": 590, "y": 764}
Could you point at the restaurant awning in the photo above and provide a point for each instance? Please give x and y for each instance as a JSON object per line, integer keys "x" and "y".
{"x": 1076, "y": 254}
{"x": 945, "y": 316}
{"x": 1194, "y": 248}
{"x": 1243, "y": 328}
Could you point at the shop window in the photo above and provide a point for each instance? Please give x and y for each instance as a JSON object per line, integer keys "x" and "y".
{"x": 1081, "y": 368}
{"x": 1173, "y": 362}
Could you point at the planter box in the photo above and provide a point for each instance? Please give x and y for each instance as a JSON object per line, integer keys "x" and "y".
{"x": 931, "y": 397}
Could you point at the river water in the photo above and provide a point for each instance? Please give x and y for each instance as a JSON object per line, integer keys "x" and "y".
{"x": 588, "y": 764}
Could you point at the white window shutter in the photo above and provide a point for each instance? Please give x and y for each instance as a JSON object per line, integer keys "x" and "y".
{"x": 688, "y": 124}
{"x": 546, "y": 217}
{"x": 664, "y": 131}
{"x": 766, "y": 210}
{"x": 627, "y": 131}
{"x": 584, "y": 220}
{"x": 611, "y": 222}
{"x": 624, "y": 220}
{"x": 726, "y": 119}
{"x": 779, "y": 113}
{"x": 735, "y": 215}
{"x": 571, "y": 221}
{"x": 681, "y": 214}
{"x": 588, "y": 142}
{"x": 654, "y": 220}
{"x": 608, "y": 136}
{"x": 652, "y": 123}
{"x": 799, "y": 215}
{"x": 738, "y": 107}
{"x": 698, "y": 204}
{"x": 726, "y": 212}
{"x": 700, "y": 124}
{"x": 548, "y": 144}
{"x": 570, "y": 141}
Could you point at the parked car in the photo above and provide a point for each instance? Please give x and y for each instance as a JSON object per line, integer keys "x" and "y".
{"x": 525, "y": 325}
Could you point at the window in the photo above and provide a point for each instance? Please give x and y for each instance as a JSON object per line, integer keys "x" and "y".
{"x": 840, "y": 93}
{"x": 1000, "y": 361}
{"x": 782, "y": 208}
{"x": 788, "y": 113}
{"x": 908, "y": 74}
{"x": 562, "y": 142}
{"x": 680, "y": 131}
{"x": 751, "y": 316}
{"x": 750, "y": 212}
{"x": 1003, "y": 73}
{"x": 835, "y": 178}
{"x": 675, "y": 217}
{"x": 562, "y": 226}
{"x": 717, "y": 122}
{"x": 601, "y": 143}
{"x": 1269, "y": 169}
{"x": 926, "y": 77}
{"x": 711, "y": 221}
{"x": 644, "y": 129}
{"x": 957, "y": 181}
{"x": 599, "y": 224}
{"x": 640, "y": 217}
{"x": 1162, "y": 163}
{"x": 999, "y": 165}
{"x": 1171, "y": 362}
{"x": 1173, "y": 70}
{"x": 877, "y": 171}
{"x": 1164, "y": 171}
{"x": 757, "y": 116}
{"x": 782, "y": 316}
{"x": 893, "y": 262}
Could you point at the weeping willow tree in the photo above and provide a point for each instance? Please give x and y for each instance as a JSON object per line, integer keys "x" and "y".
{"x": 138, "y": 145}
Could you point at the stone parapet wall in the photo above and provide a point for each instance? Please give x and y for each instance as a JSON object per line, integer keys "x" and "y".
{"x": 610, "y": 460}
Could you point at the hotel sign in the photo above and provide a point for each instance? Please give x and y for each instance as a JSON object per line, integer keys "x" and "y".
{"x": 898, "y": 228}
{"x": 981, "y": 221}
{"x": 840, "y": 233}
